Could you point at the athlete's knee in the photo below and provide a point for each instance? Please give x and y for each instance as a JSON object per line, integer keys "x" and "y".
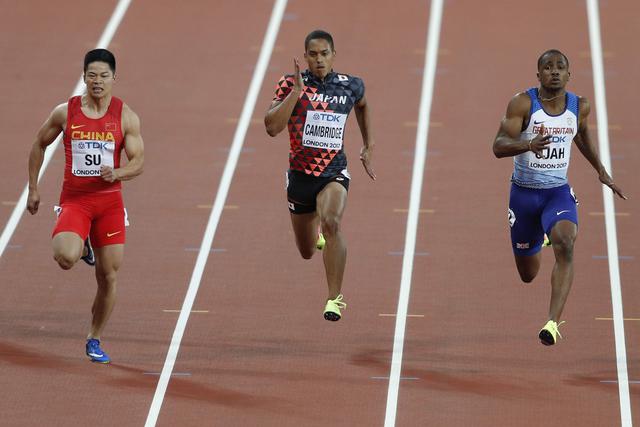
{"x": 527, "y": 269}
{"x": 528, "y": 276}
{"x": 330, "y": 225}
{"x": 307, "y": 253}
{"x": 107, "y": 278}
{"x": 65, "y": 260}
{"x": 563, "y": 246}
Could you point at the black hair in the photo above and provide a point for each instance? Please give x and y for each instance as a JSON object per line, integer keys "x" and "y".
{"x": 101, "y": 55}
{"x": 318, "y": 34}
{"x": 552, "y": 52}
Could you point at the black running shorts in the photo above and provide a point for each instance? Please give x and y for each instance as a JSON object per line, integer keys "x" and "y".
{"x": 302, "y": 189}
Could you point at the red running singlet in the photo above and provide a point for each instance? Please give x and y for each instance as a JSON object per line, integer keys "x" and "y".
{"x": 90, "y": 144}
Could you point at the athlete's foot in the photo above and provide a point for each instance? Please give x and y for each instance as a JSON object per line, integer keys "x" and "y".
{"x": 95, "y": 353}
{"x": 332, "y": 309}
{"x": 320, "y": 242}
{"x": 87, "y": 253}
{"x": 549, "y": 332}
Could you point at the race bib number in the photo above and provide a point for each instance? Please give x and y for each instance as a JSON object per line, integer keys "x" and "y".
{"x": 89, "y": 156}
{"x": 554, "y": 157}
{"x": 324, "y": 130}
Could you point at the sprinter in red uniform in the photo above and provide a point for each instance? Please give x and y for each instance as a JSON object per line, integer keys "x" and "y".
{"x": 96, "y": 128}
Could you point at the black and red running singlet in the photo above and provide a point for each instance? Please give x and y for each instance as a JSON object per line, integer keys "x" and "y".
{"x": 317, "y": 123}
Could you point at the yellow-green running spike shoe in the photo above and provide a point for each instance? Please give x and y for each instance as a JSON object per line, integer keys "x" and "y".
{"x": 549, "y": 332}
{"x": 332, "y": 309}
{"x": 320, "y": 242}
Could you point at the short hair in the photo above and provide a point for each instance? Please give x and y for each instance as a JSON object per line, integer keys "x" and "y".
{"x": 552, "y": 52}
{"x": 100, "y": 55}
{"x": 318, "y": 34}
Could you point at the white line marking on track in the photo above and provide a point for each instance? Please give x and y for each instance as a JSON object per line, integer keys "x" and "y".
{"x": 609, "y": 209}
{"x": 616, "y": 381}
{"x": 21, "y": 205}
{"x": 394, "y": 315}
{"x": 178, "y": 311}
{"x": 218, "y": 205}
{"x": 175, "y": 374}
{"x": 424, "y": 114}
{"x": 402, "y": 378}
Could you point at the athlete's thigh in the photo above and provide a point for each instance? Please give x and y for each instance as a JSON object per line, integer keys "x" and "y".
{"x": 301, "y": 192}
{"x": 527, "y": 233}
{"x": 72, "y": 218}
{"x": 68, "y": 244}
{"x": 72, "y": 227}
{"x": 108, "y": 226}
{"x": 305, "y": 229}
{"x": 332, "y": 200}
{"x": 560, "y": 206}
{"x": 109, "y": 258}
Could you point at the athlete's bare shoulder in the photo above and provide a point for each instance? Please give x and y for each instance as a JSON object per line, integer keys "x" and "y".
{"x": 130, "y": 120}
{"x": 584, "y": 106}
{"x": 519, "y": 105}
{"x": 58, "y": 116}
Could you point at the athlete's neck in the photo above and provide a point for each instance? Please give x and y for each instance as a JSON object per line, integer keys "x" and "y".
{"x": 95, "y": 106}
{"x": 321, "y": 78}
{"x": 550, "y": 95}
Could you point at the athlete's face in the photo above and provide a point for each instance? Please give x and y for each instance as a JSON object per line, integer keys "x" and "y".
{"x": 553, "y": 73}
{"x": 319, "y": 56}
{"x": 99, "y": 79}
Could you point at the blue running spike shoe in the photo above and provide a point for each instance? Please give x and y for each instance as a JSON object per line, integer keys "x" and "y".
{"x": 89, "y": 258}
{"x": 95, "y": 353}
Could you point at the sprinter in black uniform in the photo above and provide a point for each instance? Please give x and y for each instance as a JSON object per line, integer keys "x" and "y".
{"x": 314, "y": 105}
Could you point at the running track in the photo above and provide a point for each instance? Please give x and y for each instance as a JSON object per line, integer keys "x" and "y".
{"x": 257, "y": 351}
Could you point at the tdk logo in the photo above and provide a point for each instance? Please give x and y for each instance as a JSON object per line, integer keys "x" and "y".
{"x": 558, "y": 139}
{"x": 327, "y": 117}
{"x": 94, "y": 145}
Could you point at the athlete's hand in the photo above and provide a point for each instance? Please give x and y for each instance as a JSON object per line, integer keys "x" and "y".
{"x": 298, "y": 84}
{"x": 365, "y": 158}
{"x": 538, "y": 143}
{"x": 608, "y": 181}
{"x": 33, "y": 202}
{"x": 108, "y": 174}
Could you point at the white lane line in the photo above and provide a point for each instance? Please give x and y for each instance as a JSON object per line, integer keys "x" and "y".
{"x": 609, "y": 209}
{"x": 431, "y": 58}
{"x": 218, "y": 205}
{"x": 21, "y": 205}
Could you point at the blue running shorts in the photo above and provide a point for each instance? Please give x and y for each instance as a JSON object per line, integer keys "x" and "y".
{"x": 533, "y": 212}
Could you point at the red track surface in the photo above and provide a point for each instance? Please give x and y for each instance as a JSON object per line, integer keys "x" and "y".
{"x": 263, "y": 355}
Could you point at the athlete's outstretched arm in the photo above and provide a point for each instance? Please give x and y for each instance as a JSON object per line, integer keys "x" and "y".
{"x": 507, "y": 142}
{"x": 48, "y": 133}
{"x": 587, "y": 148}
{"x": 364, "y": 123}
{"x": 279, "y": 112}
{"x": 133, "y": 147}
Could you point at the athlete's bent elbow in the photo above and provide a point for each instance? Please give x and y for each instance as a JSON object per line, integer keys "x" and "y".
{"x": 271, "y": 132}
{"x": 271, "y": 129}
{"x": 498, "y": 152}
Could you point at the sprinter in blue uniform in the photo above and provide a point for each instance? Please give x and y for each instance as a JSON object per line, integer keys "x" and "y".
{"x": 537, "y": 131}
